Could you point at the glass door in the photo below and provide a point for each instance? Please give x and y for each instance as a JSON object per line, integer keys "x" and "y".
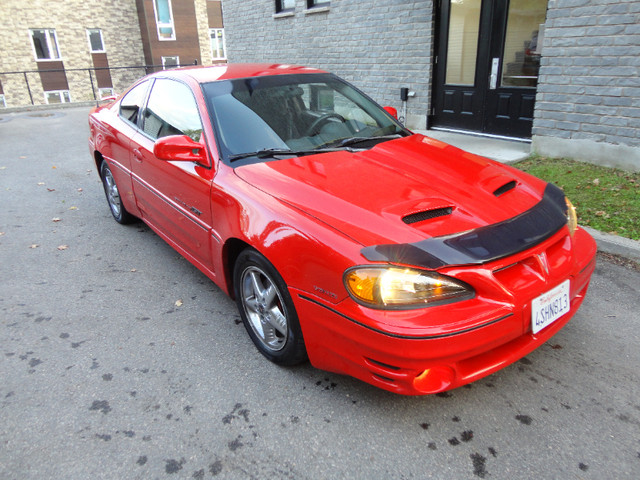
{"x": 486, "y": 66}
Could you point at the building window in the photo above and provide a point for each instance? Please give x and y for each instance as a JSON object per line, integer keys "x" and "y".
{"x": 45, "y": 44}
{"x": 57, "y": 96}
{"x": 317, "y": 3}
{"x": 96, "y": 45}
{"x": 170, "y": 62}
{"x": 3, "y": 103}
{"x": 164, "y": 19}
{"x": 106, "y": 92}
{"x": 285, "y": 6}
{"x": 218, "y": 49}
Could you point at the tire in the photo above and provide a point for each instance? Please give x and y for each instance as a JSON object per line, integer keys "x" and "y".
{"x": 112, "y": 193}
{"x": 267, "y": 310}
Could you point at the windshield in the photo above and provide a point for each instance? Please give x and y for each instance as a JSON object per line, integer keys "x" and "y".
{"x": 307, "y": 113}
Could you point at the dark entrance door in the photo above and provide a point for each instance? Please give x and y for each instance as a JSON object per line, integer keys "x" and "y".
{"x": 487, "y": 61}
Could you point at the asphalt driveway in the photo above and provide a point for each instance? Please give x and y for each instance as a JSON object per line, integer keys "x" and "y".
{"x": 118, "y": 359}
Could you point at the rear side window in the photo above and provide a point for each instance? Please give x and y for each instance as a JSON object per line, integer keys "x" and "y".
{"x": 131, "y": 103}
{"x": 171, "y": 110}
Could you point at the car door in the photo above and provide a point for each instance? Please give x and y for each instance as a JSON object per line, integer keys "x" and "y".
{"x": 173, "y": 196}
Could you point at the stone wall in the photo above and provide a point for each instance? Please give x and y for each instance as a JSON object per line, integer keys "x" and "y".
{"x": 588, "y": 100}
{"x": 379, "y": 46}
{"x": 70, "y": 18}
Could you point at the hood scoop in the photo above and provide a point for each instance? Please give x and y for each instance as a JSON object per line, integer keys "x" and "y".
{"x": 427, "y": 215}
{"x": 505, "y": 188}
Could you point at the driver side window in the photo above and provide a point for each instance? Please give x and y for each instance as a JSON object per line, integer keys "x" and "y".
{"x": 171, "y": 110}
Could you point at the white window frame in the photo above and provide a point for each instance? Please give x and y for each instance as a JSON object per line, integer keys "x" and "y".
{"x": 213, "y": 35}
{"x": 99, "y": 30}
{"x": 164, "y": 60}
{"x": 3, "y": 102}
{"x": 61, "y": 95}
{"x": 48, "y": 36}
{"x": 106, "y": 92}
{"x": 165, "y": 25}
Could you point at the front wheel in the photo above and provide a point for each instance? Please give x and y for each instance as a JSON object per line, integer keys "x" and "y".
{"x": 267, "y": 310}
{"x": 113, "y": 196}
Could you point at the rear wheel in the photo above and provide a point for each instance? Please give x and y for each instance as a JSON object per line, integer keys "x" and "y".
{"x": 267, "y": 310}
{"x": 113, "y": 196}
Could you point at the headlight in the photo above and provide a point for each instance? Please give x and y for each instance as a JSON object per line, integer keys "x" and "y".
{"x": 397, "y": 287}
{"x": 572, "y": 217}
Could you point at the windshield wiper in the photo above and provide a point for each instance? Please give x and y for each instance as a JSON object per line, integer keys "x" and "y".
{"x": 357, "y": 140}
{"x": 275, "y": 152}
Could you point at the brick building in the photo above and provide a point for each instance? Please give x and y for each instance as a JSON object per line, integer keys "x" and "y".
{"x": 78, "y": 50}
{"x": 564, "y": 74}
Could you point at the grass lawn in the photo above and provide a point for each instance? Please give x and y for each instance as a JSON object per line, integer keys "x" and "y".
{"x": 606, "y": 199}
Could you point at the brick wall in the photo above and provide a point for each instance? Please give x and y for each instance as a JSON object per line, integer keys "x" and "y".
{"x": 70, "y": 18}
{"x": 589, "y": 90}
{"x": 379, "y": 46}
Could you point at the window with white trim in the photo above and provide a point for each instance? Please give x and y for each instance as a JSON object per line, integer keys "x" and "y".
{"x": 218, "y": 46}
{"x": 285, "y": 6}
{"x": 45, "y": 43}
{"x": 105, "y": 92}
{"x": 57, "y": 96}
{"x": 164, "y": 19}
{"x": 96, "y": 44}
{"x": 317, "y": 3}
{"x": 170, "y": 62}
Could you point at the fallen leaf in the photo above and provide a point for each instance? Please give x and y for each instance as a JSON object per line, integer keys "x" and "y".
{"x": 1, "y": 234}
{"x": 34, "y": 245}
{"x": 133, "y": 270}
{"x": 22, "y": 157}
{"x": 178, "y": 303}
{"x": 79, "y": 189}
{"x": 40, "y": 183}
{"x": 56, "y": 219}
{"x": 596, "y": 182}
{"x": 63, "y": 247}
{"x": 3, "y": 168}
{"x": 73, "y": 208}
{"x": 54, "y": 167}
{"x": 51, "y": 189}
{"x": 600, "y": 213}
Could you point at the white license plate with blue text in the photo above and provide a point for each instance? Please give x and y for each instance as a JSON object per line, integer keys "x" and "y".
{"x": 550, "y": 306}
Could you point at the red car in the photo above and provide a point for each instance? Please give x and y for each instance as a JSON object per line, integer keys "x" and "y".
{"x": 343, "y": 237}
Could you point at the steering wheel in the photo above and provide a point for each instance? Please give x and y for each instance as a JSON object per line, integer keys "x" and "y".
{"x": 320, "y": 121}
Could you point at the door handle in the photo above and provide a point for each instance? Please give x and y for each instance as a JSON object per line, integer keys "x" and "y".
{"x": 137, "y": 154}
{"x": 493, "y": 78}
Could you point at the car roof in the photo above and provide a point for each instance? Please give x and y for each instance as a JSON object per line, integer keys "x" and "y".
{"x": 205, "y": 74}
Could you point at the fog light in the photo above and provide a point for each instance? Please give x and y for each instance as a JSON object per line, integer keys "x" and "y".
{"x": 434, "y": 380}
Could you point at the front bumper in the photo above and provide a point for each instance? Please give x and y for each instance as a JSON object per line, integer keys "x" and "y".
{"x": 443, "y": 347}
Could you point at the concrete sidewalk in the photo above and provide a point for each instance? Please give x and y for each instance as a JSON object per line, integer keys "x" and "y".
{"x": 501, "y": 150}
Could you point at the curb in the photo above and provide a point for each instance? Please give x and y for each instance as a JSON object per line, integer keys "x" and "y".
{"x": 616, "y": 245}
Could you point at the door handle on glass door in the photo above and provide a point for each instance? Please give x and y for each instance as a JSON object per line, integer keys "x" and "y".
{"x": 493, "y": 78}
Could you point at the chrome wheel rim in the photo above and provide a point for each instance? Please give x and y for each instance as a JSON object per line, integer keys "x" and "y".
{"x": 113, "y": 196}
{"x": 264, "y": 308}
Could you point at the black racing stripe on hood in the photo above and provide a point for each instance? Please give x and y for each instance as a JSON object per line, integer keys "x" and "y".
{"x": 483, "y": 244}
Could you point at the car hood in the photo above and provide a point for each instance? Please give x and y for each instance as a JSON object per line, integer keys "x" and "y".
{"x": 400, "y": 191}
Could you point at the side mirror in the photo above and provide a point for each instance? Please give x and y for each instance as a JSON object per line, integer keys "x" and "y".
{"x": 180, "y": 148}
{"x": 391, "y": 111}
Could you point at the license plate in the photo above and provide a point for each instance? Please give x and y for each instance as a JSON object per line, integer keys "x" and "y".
{"x": 550, "y": 306}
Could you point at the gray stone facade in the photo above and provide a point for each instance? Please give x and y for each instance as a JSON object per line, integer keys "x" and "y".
{"x": 379, "y": 46}
{"x": 588, "y": 100}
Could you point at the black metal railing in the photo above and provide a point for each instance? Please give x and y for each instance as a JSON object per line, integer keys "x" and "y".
{"x": 91, "y": 74}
